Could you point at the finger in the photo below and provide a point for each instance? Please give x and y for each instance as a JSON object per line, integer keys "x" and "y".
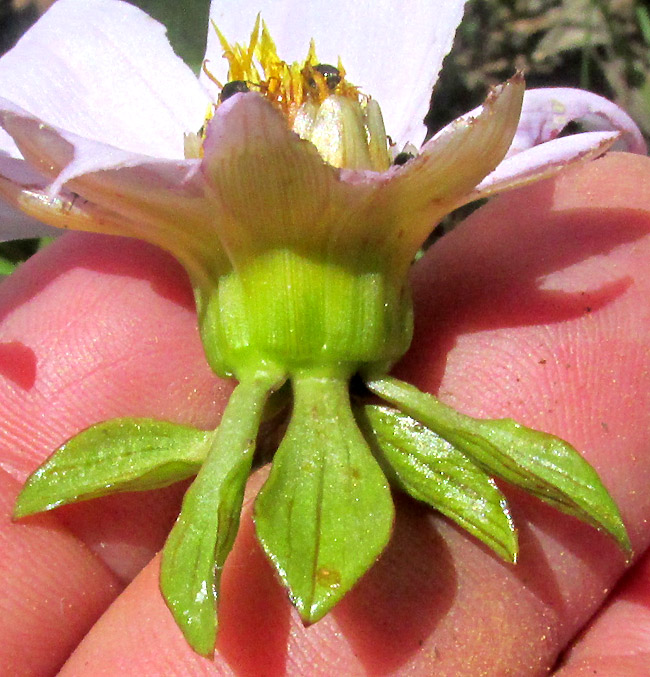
{"x": 539, "y": 311}
{"x": 138, "y": 634}
{"x": 617, "y": 641}
{"x": 53, "y": 590}
{"x": 537, "y": 307}
{"x": 87, "y": 328}
{"x": 91, "y": 329}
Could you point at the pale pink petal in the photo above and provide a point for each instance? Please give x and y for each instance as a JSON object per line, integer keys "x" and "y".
{"x": 15, "y": 224}
{"x": 8, "y": 146}
{"x": 18, "y": 171}
{"x": 56, "y": 153}
{"x": 543, "y": 161}
{"x": 105, "y": 70}
{"x": 393, "y": 52}
{"x": 547, "y": 111}
{"x": 63, "y": 155}
{"x": 159, "y": 200}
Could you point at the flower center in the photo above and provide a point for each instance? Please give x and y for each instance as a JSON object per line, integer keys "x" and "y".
{"x": 258, "y": 67}
{"x": 317, "y": 100}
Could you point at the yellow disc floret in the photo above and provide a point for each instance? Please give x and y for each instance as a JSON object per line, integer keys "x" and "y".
{"x": 317, "y": 101}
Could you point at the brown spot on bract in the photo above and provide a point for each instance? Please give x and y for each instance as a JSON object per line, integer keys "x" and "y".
{"x": 328, "y": 578}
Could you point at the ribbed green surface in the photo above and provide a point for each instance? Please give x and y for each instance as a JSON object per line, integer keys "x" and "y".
{"x": 296, "y": 312}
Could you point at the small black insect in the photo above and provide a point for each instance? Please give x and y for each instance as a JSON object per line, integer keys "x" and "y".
{"x": 402, "y": 158}
{"x": 231, "y": 88}
{"x": 331, "y": 74}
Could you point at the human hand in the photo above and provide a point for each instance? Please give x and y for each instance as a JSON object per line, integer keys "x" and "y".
{"x": 537, "y": 308}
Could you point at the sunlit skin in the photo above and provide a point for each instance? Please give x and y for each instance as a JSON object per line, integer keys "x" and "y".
{"x": 551, "y": 328}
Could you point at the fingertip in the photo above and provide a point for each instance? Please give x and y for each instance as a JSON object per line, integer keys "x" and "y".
{"x": 93, "y": 328}
{"x": 54, "y": 589}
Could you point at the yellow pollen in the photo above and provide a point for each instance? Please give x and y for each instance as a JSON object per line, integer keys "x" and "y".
{"x": 286, "y": 86}
{"x": 317, "y": 102}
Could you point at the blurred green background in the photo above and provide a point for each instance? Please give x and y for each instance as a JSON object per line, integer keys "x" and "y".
{"x": 600, "y": 45}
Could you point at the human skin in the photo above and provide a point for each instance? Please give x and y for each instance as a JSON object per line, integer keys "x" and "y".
{"x": 538, "y": 307}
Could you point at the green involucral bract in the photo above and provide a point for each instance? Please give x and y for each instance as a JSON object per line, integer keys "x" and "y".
{"x": 203, "y": 535}
{"x": 542, "y": 464}
{"x": 432, "y": 470}
{"x": 307, "y": 286}
{"x": 325, "y": 513}
{"x": 119, "y": 455}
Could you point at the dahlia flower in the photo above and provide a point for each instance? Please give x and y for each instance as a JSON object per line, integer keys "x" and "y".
{"x": 296, "y": 194}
